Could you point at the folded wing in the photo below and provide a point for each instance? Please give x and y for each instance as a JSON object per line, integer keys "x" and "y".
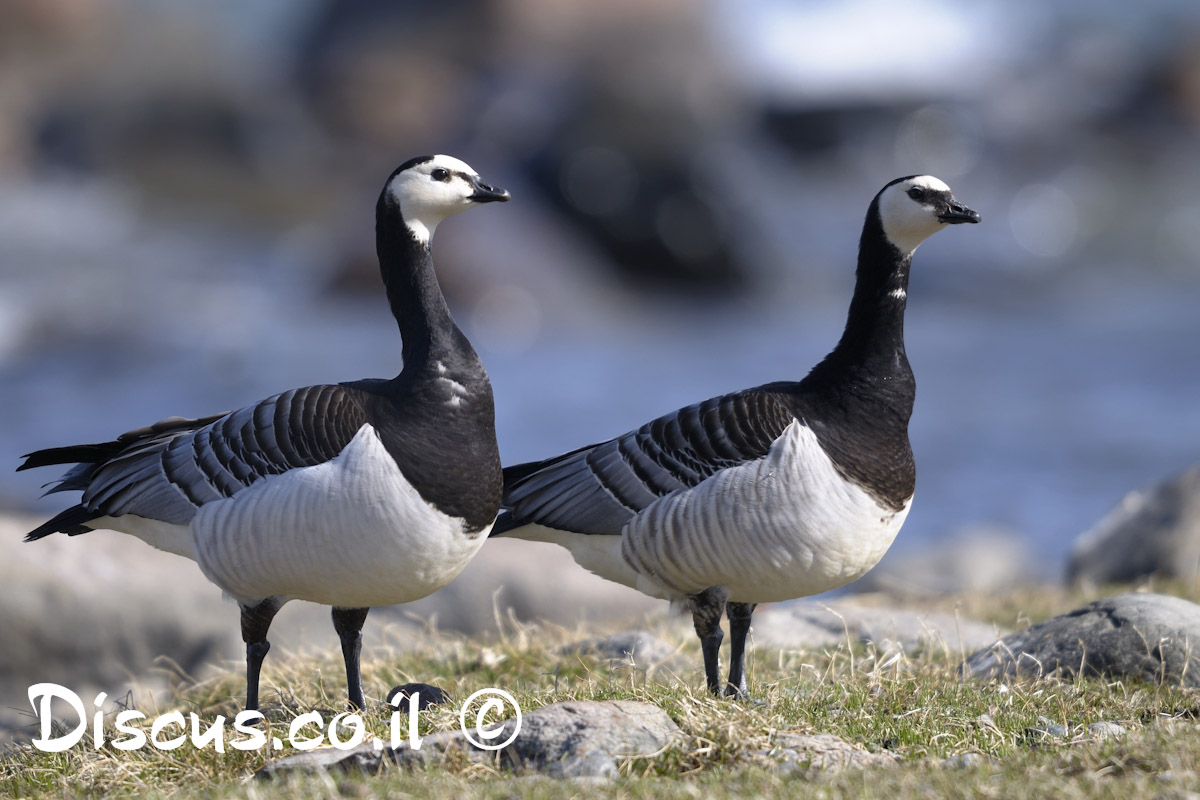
{"x": 597, "y": 489}
{"x": 166, "y": 471}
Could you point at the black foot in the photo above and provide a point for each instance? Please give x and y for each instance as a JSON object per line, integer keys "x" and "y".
{"x": 348, "y": 623}
{"x": 707, "y": 607}
{"x": 255, "y": 653}
{"x": 743, "y": 697}
{"x": 256, "y": 621}
{"x": 739, "y": 626}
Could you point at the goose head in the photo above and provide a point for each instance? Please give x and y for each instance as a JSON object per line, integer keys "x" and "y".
{"x": 913, "y": 208}
{"x": 428, "y": 189}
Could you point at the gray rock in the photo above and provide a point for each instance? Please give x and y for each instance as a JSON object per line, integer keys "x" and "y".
{"x": 965, "y": 761}
{"x": 978, "y": 559}
{"x": 100, "y": 612}
{"x": 104, "y": 612}
{"x": 527, "y": 783}
{"x": 986, "y": 722}
{"x": 1044, "y": 734}
{"x": 1046, "y": 730}
{"x": 319, "y": 760}
{"x": 640, "y": 649}
{"x": 1152, "y": 637}
{"x": 499, "y": 583}
{"x": 573, "y": 739}
{"x": 809, "y": 625}
{"x": 1107, "y": 730}
{"x": 1152, "y": 531}
{"x": 1175, "y": 794}
{"x": 809, "y": 754}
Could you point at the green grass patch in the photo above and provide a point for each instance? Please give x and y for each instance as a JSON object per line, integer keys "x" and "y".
{"x": 912, "y": 705}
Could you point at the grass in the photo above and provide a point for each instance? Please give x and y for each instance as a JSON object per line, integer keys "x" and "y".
{"x": 913, "y": 705}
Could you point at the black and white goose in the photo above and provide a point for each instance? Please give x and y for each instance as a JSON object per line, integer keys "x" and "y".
{"x": 353, "y": 495}
{"x": 767, "y": 494}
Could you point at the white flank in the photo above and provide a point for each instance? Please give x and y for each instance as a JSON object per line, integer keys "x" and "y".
{"x": 784, "y": 526}
{"x": 161, "y": 535}
{"x": 351, "y": 532}
{"x": 899, "y": 294}
{"x": 597, "y": 553}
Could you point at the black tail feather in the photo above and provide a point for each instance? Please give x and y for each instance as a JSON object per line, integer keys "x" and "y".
{"x": 71, "y": 522}
{"x": 103, "y": 451}
{"x": 518, "y": 472}
{"x": 515, "y": 474}
{"x": 73, "y": 454}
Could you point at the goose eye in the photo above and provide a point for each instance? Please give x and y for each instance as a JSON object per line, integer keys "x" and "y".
{"x": 916, "y": 193}
{"x": 440, "y": 174}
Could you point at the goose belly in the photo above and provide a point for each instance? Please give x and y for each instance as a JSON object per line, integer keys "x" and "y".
{"x": 599, "y": 554}
{"x": 351, "y": 532}
{"x": 171, "y": 537}
{"x": 784, "y": 526}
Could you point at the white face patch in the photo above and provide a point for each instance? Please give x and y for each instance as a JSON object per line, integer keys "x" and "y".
{"x": 928, "y": 182}
{"x": 907, "y": 221}
{"x": 432, "y": 191}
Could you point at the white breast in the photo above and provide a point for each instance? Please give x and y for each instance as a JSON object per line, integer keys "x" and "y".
{"x": 785, "y": 526}
{"x": 351, "y": 532}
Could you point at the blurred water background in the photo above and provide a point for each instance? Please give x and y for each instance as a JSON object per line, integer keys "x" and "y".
{"x": 187, "y": 194}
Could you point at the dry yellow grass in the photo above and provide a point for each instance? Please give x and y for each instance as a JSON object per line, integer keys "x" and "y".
{"x": 912, "y": 705}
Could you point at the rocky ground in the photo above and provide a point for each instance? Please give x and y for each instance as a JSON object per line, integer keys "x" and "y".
{"x": 1010, "y": 668}
{"x": 1131, "y": 637}
{"x": 96, "y": 614}
{"x": 857, "y": 696}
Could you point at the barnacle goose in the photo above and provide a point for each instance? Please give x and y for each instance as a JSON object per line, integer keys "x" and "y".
{"x": 771, "y": 493}
{"x": 354, "y": 495}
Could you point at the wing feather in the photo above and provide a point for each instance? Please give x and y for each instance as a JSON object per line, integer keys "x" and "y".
{"x": 166, "y": 471}
{"x": 597, "y": 489}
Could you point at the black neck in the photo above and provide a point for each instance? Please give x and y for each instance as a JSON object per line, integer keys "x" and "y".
{"x": 446, "y": 451}
{"x": 406, "y": 265}
{"x": 860, "y": 398}
{"x": 873, "y": 340}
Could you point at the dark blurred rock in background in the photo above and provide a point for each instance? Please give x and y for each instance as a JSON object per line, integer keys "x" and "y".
{"x": 1152, "y": 532}
{"x": 186, "y": 197}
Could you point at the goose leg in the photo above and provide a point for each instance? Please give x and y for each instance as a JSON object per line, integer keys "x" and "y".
{"x": 256, "y": 621}
{"x": 707, "y": 607}
{"x": 739, "y": 626}
{"x": 348, "y": 623}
